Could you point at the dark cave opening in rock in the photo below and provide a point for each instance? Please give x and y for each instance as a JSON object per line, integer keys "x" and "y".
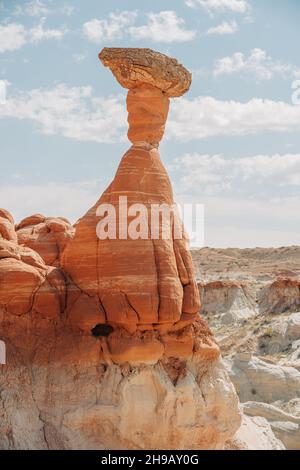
{"x": 102, "y": 329}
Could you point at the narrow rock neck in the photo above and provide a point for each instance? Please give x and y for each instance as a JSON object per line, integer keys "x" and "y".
{"x": 147, "y": 110}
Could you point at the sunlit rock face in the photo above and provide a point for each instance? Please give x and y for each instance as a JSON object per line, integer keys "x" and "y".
{"x": 146, "y": 284}
{"x": 104, "y": 336}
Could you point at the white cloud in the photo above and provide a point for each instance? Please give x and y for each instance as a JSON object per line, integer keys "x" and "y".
{"x": 164, "y": 26}
{"x": 216, "y": 174}
{"x": 77, "y": 114}
{"x": 3, "y": 88}
{"x": 226, "y": 27}
{"x": 39, "y": 8}
{"x": 109, "y": 29}
{"x": 212, "y": 117}
{"x": 13, "y": 36}
{"x": 71, "y": 112}
{"x": 32, "y": 8}
{"x": 39, "y": 33}
{"x": 279, "y": 170}
{"x": 220, "y": 6}
{"x": 258, "y": 64}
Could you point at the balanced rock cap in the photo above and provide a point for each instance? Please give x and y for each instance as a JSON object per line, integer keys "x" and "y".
{"x": 134, "y": 67}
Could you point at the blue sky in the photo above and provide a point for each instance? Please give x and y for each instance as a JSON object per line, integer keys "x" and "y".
{"x": 232, "y": 143}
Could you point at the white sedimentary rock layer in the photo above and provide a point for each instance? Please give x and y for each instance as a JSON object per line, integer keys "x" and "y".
{"x": 117, "y": 407}
{"x": 227, "y": 302}
{"x": 285, "y": 426}
{"x": 258, "y": 380}
{"x": 255, "y": 434}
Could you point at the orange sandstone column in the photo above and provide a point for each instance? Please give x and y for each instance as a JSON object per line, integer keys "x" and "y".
{"x": 145, "y": 284}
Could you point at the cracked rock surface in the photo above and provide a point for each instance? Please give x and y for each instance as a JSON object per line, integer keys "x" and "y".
{"x": 133, "y": 67}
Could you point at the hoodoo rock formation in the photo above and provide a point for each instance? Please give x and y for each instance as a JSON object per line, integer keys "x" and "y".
{"x": 105, "y": 345}
{"x": 145, "y": 288}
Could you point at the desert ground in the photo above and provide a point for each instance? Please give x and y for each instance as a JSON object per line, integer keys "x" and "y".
{"x": 251, "y": 300}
